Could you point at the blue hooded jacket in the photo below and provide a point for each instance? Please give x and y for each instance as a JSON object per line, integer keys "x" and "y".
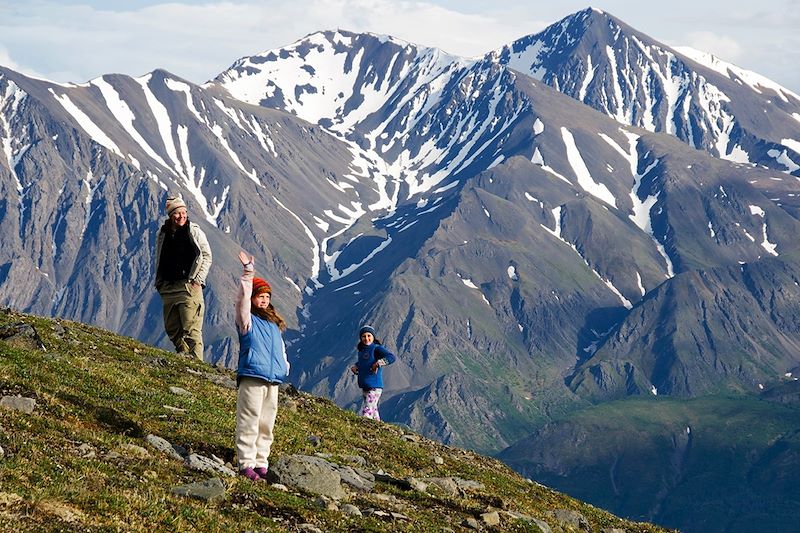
{"x": 367, "y": 356}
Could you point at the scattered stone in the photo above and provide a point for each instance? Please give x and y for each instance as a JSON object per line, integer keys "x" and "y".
{"x": 58, "y": 329}
{"x": 417, "y": 484}
{"x": 164, "y": 446}
{"x": 221, "y": 380}
{"x": 569, "y": 518}
{"x": 2, "y": 452}
{"x": 350, "y": 509}
{"x": 445, "y": 484}
{"x": 155, "y": 361}
{"x": 355, "y": 459}
{"x": 309, "y": 528}
{"x": 612, "y": 530}
{"x": 22, "y": 334}
{"x": 387, "y": 478}
{"x": 113, "y": 456}
{"x": 208, "y": 490}
{"x": 410, "y": 437}
{"x": 86, "y": 451}
{"x": 174, "y": 409}
{"x": 193, "y": 371}
{"x": 356, "y": 478}
{"x": 18, "y": 403}
{"x": 314, "y": 440}
{"x": 384, "y": 497}
{"x": 378, "y": 513}
{"x": 399, "y": 516}
{"x": 204, "y": 464}
{"x": 179, "y": 391}
{"x": 311, "y": 474}
{"x": 278, "y": 486}
{"x": 217, "y": 459}
{"x": 134, "y": 450}
{"x": 438, "y": 460}
{"x": 325, "y": 503}
{"x": 471, "y": 523}
{"x": 492, "y": 518}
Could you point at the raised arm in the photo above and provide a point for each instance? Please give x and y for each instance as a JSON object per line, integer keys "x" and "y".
{"x": 243, "y": 320}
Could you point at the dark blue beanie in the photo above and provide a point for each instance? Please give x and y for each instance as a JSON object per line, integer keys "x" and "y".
{"x": 366, "y": 329}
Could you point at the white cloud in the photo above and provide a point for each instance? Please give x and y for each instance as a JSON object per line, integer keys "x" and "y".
{"x": 721, "y": 46}
{"x": 199, "y": 41}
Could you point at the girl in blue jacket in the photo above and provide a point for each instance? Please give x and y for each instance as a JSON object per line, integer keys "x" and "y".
{"x": 371, "y": 358}
{"x": 262, "y": 367}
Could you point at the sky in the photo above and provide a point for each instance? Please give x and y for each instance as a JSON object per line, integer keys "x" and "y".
{"x": 78, "y": 40}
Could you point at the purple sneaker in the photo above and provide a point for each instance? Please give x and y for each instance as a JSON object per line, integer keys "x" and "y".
{"x": 249, "y": 473}
{"x": 261, "y": 471}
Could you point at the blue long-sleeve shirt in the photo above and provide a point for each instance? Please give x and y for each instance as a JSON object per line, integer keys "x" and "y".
{"x": 367, "y": 356}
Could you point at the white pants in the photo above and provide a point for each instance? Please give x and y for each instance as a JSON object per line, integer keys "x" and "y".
{"x": 256, "y": 409}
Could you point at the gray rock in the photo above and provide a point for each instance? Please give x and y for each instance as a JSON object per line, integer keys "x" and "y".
{"x": 350, "y": 509}
{"x": 204, "y": 464}
{"x": 180, "y": 391}
{"x": 289, "y": 405}
{"x": 417, "y": 484}
{"x": 221, "y": 380}
{"x": 399, "y": 516}
{"x": 174, "y": 409}
{"x": 164, "y": 446}
{"x": 471, "y": 523}
{"x": 570, "y": 518}
{"x": 86, "y": 451}
{"x": 543, "y": 526}
{"x": 356, "y": 478}
{"x": 492, "y": 518}
{"x": 18, "y": 403}
{"x": 326, "y": 504}
{"x": 445, "y": 484}
{"x": 278, "y": 486}
{"x": 314, "y": 440}
{"x": 438, "y": 460}
{"x": 410, "y": 437}
{"x": 613, "y": 530}
{"x": 355, "y": 459}
{"x": 2, "y": 452}
{"x": 309, "y": 528}
{"x": 390, "y": 479}
{"x": 22, "y": 334}
{"x": 314, "y": 475}
{"x": 114, "y": 456}
{"x": 134, "y": 450}
{"x": 209, "y": 490}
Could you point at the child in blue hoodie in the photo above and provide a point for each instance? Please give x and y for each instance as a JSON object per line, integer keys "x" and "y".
{"x": 263, "y": 366}
{"x": 371, "y": 358}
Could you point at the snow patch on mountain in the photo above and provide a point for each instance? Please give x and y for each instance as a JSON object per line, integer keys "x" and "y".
{"x": 585, "y": 179}
{"x": 755, "y": 81}
{"x": 83, "y": 120}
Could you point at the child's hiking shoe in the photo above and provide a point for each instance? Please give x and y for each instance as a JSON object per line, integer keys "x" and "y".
{"x": 249, "y": 473}
{"x": 261, "y": 471}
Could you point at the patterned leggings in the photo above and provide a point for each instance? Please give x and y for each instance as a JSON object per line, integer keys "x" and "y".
{"x": 371, "y": 399}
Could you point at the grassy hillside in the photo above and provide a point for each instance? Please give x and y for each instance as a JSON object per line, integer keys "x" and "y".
{"x": 77, "y": 461}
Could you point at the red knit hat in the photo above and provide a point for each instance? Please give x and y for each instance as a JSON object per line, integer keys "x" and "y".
{"x": 261, "y": 286}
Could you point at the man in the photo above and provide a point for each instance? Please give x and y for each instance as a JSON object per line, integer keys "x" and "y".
{"x": 183, "y": 258}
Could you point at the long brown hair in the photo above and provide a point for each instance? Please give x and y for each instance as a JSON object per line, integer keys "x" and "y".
{"x": 270, "y": 315}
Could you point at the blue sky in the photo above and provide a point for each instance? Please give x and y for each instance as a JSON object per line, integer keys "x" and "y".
{"x": 72, "y": 40}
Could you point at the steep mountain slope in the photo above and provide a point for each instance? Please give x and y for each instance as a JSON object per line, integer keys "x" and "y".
{"x": 599, "y": 60}
{"x": 87, "y": 170}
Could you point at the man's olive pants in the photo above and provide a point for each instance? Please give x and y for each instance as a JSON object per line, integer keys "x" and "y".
{"x": 183, "y": 316}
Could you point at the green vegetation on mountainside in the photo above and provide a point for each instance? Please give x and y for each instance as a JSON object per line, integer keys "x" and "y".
{"x": 710, "y": 464}
{"x": 70, "y": 466}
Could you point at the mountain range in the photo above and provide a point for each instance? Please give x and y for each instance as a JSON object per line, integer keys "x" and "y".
{"x": 581, "y": 216}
